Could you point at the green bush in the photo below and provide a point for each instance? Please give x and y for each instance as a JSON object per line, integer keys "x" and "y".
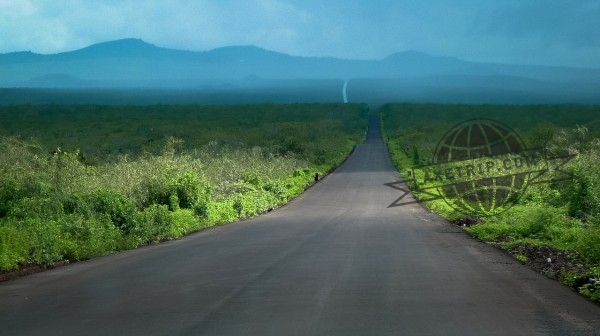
{"x": 8, "y": 193}
{"x": 119, "y": 208}
{"x": 536, "y": 222}
{"x": 35, "y": 207}
{"x": 191, "y": 190}
{"x": 238, "y": 205}
{"x": 85, "y": 238}
{"x": 222, "y": 212}
{"x": 592, "y": 291}
{"x": 46, "y": 242}
{"x": 491, "y": 231}
{"x": 152, "y": 224}
{"x": 186, "y": 191}
{"x": 563, "y": 214}
{"x": 583, "y": 199}
{"x": 78, "y": 203}
{"x": 14, "y": 247}
{"x": 592, "y": 288}
{"x": 588, "y": 245}
{"x": 129, "y": 177}
{"x": 183, "y": 222}
{"x": 67, "y": 172}
{"x": 157, "y": 191}
{"x": 277, "y": 188}
{"x": 256, "y": 202}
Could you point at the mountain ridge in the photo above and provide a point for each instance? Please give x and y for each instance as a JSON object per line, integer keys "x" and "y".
{"x": 136, "y": 45}
{"x": 134, "y": 62}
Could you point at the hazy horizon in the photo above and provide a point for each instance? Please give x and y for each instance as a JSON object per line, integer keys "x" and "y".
{"x": 416, "y": 52}
{"x": 557, "y": 33}
{"x": 133, "y": 38}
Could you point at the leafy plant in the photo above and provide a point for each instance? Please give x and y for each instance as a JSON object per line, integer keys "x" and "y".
{"x": 563, "y": 215}
{"x": 103, "y": 178}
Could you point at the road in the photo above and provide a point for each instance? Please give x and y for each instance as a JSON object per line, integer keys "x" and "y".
{"x": 335, "y": 261}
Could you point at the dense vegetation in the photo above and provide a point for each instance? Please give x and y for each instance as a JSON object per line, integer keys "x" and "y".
{"x": 558, "y": 220}
{"x": 77, "y": 181}
{"x": 245, "y": 91}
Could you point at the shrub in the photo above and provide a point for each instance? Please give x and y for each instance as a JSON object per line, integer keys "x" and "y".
{"x": 35, "y": 207}
{"x": 186, "y": 191}
{"x": 158, "y": 191}
{"x": 152, "y": 224}
{"x": 14, "y": 247}
{"x": 592, "y": 291}
{"x": 256, "y": 202}
{"x": 588, "y": 245}
{"x": 183, "y": 221}
{"x": 277, "y": 187}
{"x": 238, "y": 205}
{"x": 46, "y": 244}
{"x": 8, "y": 193}
{"x": 191, "y": 190}
{"x": 67, "y": 172}
{"x": 253, "y": 178}
{"x": 86, "y": 238}
{"x": 536, "y": 222}
{"x": 57, "y": 205}
{"x": 222, "y": 212}
{"x": 77, "y": 203}
{"x": 491, "y": 231}
{"x": 119, "y": 209}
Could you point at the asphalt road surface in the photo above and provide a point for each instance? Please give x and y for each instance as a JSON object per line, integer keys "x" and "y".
{"x": 335, "y": 261}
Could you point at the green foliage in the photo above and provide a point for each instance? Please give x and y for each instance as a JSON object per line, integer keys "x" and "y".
{"x": 14, "y": 247}
{"x": 592, "y": 291}
{"x": 521, "y": 257}
{"x": 592, "y": 288}
{"x": 588, "y": 245}
{"x": 541, "y": 134}
{"x": 116, "y": 206}
{"x": 238, "y": 205}
{"x": 105, "y": 132}
{"x": 583, "y": 193}
{"x": 45, "y": 240}
{"x": 85, "y": 238}
{"x": 532, "y": 222}
{"x": 116, "y": 177}
{"x": 183, "y": 222}
{"x": 186, "y": 191}
{"x": 152, "y": 224}
{"x": 536, "y": 222}
{"x": 222, "y": 212}
{"x": 35, "y": 207}
{"x": 583, "y": 201}
{"x": 421, "y": 126}
{"x": 563, "y": 215}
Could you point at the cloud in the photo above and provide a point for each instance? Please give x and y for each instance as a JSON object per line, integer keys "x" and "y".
{"x": 573, "y": 23}
{"x": 538, "y": 31}
{"x": 512, "y": 31}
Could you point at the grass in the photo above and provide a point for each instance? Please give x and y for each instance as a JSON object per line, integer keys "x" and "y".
{"x": 558, "y": 219}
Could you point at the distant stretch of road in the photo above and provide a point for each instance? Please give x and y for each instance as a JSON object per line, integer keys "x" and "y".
{"x": 345, "y": 92}
{"x": 335, "y": 261}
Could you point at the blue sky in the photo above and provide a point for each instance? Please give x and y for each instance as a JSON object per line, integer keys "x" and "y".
{"x": 549, "y": 32}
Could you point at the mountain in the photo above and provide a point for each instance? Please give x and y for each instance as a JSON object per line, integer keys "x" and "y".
{"x": 135, "y": 63}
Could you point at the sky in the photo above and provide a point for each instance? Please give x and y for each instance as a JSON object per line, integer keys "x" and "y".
{"x": 544, "y": 32}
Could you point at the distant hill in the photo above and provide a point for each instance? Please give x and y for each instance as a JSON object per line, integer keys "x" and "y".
{"x": 133, "y": 63}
